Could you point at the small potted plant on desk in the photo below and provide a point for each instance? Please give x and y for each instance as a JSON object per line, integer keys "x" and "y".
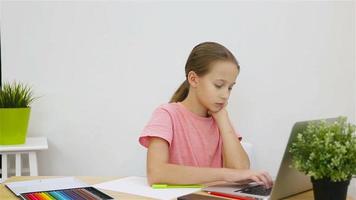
{"x": 15, "y": 100}
{"x": 327, "y": 153}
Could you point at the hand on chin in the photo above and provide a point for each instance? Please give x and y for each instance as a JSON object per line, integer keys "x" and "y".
{"x": 218, "y": 112}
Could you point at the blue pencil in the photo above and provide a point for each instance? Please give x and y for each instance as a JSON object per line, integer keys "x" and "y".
{"x": 65, "y": 195}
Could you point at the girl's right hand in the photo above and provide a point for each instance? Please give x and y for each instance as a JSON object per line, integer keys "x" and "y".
{"x": 243, "y": 176}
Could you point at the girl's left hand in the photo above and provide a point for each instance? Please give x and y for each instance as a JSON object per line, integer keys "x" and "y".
{"x": 219, "y": 115}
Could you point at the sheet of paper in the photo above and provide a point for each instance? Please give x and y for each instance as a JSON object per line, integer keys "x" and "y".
{"x": 19, "y": 187}
{"x": 139, "y": 186}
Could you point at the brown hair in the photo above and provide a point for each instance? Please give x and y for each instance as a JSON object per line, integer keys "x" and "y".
{"x": 199, "y": 61}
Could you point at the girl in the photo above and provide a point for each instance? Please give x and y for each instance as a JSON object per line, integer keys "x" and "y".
{"x": 191, "y": 140}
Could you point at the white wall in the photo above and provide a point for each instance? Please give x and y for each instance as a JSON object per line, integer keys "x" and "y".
{"x": 102, "y": 67}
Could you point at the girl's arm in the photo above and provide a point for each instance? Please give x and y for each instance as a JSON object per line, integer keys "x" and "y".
{"x": 234, "y": 155}
{"x": 160, "y": 171}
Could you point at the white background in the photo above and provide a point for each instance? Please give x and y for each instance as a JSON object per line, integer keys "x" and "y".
{"x": 101, "y": 68}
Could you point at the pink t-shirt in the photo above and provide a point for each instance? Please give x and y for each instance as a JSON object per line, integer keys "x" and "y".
{"x": 193, "y": 140}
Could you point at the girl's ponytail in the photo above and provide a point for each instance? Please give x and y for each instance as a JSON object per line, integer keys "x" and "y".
{"x": 181, "y": 93}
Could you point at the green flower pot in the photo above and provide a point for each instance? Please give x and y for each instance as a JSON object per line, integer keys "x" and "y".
{"x": 13, "y": 125}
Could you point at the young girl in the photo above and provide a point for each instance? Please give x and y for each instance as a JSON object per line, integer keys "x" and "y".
{"x": 191, "y": 140}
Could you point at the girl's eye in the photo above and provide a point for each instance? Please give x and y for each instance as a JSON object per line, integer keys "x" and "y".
{"x": 230, "y": 88}
{"x": 218, "y": 86}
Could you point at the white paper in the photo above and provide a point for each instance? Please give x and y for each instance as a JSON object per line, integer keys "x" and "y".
{"x": 45, "y": 185}
{"x": 139, "y": 186}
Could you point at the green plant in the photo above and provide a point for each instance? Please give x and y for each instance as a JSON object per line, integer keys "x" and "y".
{"x": 15, "y": 95}
{"x": 326, "y": 150}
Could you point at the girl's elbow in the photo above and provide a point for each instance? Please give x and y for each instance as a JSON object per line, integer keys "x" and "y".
{"x": 244, "y": 165}
{"x": 153, "y": 175}
{"x": 151, "y": 179}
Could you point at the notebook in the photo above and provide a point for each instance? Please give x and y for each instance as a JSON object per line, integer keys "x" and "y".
{"x": 67, "y": 188}
{"x": 288, "y": 182}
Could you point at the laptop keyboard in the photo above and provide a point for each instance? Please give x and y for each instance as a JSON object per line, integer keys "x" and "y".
{"x": 256, "y": 190}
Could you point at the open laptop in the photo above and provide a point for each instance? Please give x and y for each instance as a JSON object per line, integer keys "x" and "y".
{"x": 288, "y": 182}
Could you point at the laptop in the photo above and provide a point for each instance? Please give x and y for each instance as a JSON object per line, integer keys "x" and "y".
{"x": 288, "y": 182}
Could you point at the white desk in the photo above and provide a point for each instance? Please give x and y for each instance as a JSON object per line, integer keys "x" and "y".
{"x": 32, "y": 145}
{"x": 6, "y": 194}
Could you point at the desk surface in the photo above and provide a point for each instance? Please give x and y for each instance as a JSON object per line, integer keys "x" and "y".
{"x": 6, "y": 194}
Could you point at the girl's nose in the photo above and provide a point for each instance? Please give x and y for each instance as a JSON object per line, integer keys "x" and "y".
{"x": 225, "y": 95}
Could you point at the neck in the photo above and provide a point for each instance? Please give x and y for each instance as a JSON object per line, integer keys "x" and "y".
{"x": 192, "y": 103}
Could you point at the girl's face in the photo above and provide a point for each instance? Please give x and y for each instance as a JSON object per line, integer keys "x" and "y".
{"x": 213, "y": 89}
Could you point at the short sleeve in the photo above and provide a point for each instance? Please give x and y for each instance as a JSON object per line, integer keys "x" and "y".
{"x": 160, "y": 125}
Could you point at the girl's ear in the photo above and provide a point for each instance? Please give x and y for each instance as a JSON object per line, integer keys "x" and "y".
{"x": 193, "y": 79}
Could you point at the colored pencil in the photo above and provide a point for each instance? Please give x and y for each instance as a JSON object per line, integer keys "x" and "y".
{"x": 231, "y": 196}
{"x": 58, "y": 196}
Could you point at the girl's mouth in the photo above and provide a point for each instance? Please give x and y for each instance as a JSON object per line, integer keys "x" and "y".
{"x": 219, "y": 104}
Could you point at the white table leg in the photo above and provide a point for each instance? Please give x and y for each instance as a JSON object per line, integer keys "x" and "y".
{"x": 4, "y": 166}
{"x": 33, "y": 163}
{"x": 18, "y": 164}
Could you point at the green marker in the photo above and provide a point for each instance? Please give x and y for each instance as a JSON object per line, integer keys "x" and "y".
{"x": 166, "y": 186}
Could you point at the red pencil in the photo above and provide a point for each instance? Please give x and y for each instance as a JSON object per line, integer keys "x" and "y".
{"x": 230, "y": 196}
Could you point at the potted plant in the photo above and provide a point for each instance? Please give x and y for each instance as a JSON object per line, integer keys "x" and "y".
{"x": 15, "y": 100}
{"x": 327, "y": 153}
